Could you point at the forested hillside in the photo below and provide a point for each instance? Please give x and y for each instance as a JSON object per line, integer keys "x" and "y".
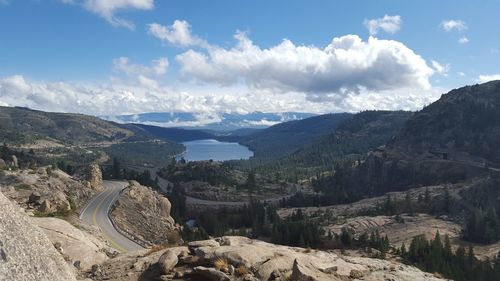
{"x": 278, "y": 140}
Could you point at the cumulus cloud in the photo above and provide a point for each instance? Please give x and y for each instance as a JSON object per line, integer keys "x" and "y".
{"x": 346, "y": 65}
{"x": 108, "y": 9}
{"x": 115, "y": 99}
{"x": 158, "y": 67}
{"x": 463, "y": 40}
{"x": 145, "y": 75}
{"x": 439, "y": 68}
{"x": 179, "y": 33}
{"x": 389, "y": 24}
{"x": 488, "y": 77}
{"x": 451, "y": 25}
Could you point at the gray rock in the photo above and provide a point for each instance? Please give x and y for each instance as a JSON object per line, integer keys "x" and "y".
{"x": 202, "y": 243}
{"x": 211, "y": 274}
{"x": 26, "y": 253}
{"x": 14, "y": 161}
{"x": 34, "y": 198}
{"x": 168, "y": 261}
{"x": 2, "y": 164}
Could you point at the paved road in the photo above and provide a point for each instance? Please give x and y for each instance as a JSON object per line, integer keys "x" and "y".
{"x": 96, "y": 213}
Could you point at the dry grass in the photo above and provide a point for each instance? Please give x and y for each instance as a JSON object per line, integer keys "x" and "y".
{"x": 242, "y": 270}
{"x": 222, "y": 264}
{"x": 156, "y": 248}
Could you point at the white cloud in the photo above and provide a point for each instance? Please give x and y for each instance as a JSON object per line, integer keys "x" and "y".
{"x": 488, "y": 77}
{"x": 158, "y": 67}
{"x": 147, "y": 76}
{"x": 462, "y": 74}
{"x": 450, "y": 25}
{"x": 463, "y": 40}
{"x": 441, "y": 69}
{"x": 107, "y": 9}
{"x": 114, "y": 99}
{"x": 179, "y": 33}
{"x": 389, "y": 24}
{"x": 347, "y": 65}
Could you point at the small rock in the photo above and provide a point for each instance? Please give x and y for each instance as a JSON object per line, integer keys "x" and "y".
{"x": 179, "y": 274}
{"x": 189, "y": 259}
{"x": 34, "y": 198}
{"x": 211, "y": 274}
{"x": 276, "y": 274}
{"x": 77, "y": 264}
{"x": 356, "y": 274}
{"x": 230, "y": 269}
{"x": 45, "y": 207}
{"x": 95, "y": 270}
{"x": 249, "y": 277}
{"x": 203, "y": 243}
{"x": 168, "y": 261}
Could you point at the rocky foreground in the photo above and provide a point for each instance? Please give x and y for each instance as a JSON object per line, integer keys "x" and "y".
{"x": 240, "y": 258}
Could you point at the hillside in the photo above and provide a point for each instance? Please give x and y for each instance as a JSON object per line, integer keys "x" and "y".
{"x": 23, "y": 125}
{"x": 78, "y": 139}
{"x": 284, "y": 138}
{"x": 453, "y": 139}
{"x": 174, "y": 134}
{"x": 353, "y": 137}
{"x": 464, "y": 120}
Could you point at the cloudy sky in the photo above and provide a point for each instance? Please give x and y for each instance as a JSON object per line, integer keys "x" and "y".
{"x": 110, "y": 57}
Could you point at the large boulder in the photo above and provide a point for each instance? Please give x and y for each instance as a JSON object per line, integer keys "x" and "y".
{"x": 92, "y": 174}
{"x": 145, "y": 214}
{"x": 25, "y": 251}
{"x": 80, "y": 248}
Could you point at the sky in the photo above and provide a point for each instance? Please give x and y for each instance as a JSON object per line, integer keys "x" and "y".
{"x": 112, "y": 57}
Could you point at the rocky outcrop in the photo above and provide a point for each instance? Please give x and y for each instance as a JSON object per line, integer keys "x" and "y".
{"x": 240, "y": 258}
{"x": 45, "y": 190}
{"x": 145, "y": 215}
{"x": 79, "y": 248}
{"x": 92, "y": 175}
{"x": 25, "y": 251}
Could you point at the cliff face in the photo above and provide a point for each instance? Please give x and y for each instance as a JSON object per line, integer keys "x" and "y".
{"x": 145, "y": 215}
{"x": 25, "y": 252}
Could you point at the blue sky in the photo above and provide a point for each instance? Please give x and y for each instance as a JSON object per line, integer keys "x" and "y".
{"x": 99, "y": 57}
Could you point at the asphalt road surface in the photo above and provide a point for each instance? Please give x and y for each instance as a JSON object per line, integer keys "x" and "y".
{"x": 96, "y": 213}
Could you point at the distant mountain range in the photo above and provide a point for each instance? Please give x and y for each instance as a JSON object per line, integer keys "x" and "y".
{"x": 220, "y": 122}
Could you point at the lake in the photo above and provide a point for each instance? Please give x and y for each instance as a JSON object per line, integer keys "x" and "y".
{"x": 216, "y": 150}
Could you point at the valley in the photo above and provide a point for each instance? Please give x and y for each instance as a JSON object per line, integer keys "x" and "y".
{"x": 362, "y": 192}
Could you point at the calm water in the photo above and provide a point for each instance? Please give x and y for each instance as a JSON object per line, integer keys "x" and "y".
{"x": 212, "y": 149}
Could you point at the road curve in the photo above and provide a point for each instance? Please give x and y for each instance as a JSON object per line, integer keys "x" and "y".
{"x": 96, "y": 213}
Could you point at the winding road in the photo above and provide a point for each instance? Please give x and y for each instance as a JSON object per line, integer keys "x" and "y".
{"x": 97, "y": 213}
